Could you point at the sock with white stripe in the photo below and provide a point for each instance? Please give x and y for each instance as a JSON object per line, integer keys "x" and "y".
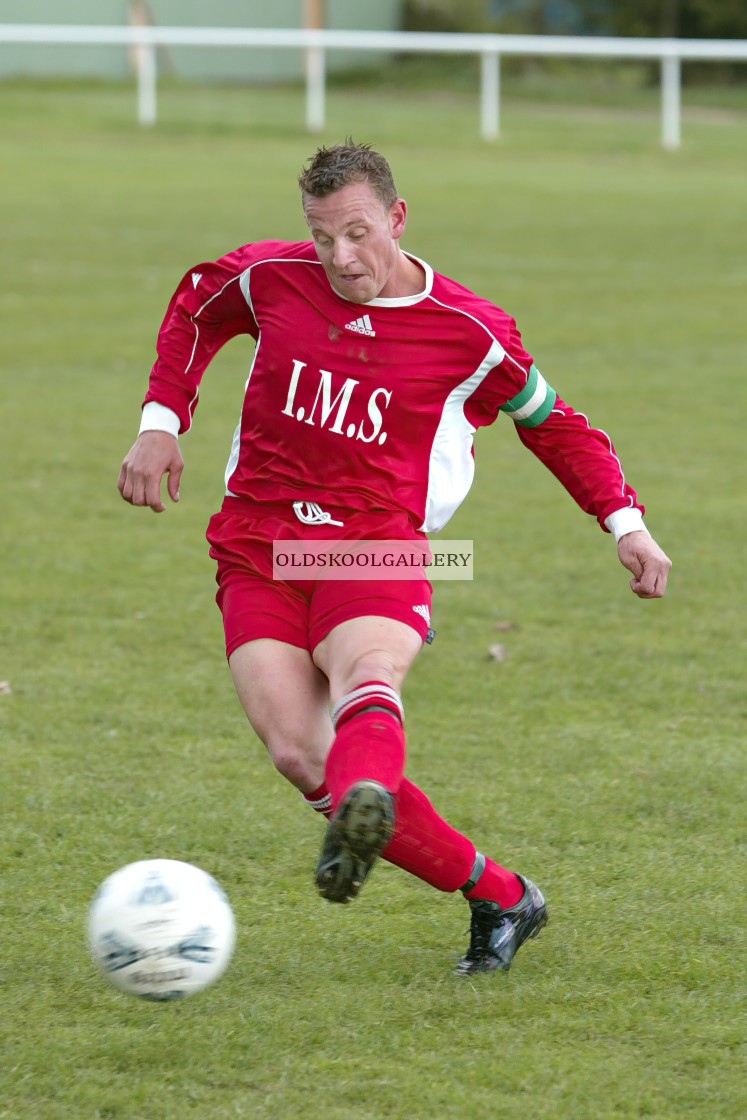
{"x": 369, "y": 740}
{"x": 319, "y": 800}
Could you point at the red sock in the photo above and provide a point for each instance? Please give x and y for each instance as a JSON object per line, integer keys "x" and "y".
{"x": 319, "y": 800}
{"x": 427, "y": 846}
{"x": 497, "y": 884}
{"x": 369, "y": 740}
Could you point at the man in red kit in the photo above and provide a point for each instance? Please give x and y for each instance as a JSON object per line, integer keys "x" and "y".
{"x": 370, "y": 375}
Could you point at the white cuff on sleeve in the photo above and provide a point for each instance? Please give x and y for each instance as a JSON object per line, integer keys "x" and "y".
{"x": 624, "y": 521}
{"x": 158, "y": 418}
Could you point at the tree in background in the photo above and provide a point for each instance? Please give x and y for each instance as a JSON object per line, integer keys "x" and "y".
{"x": 720, "y": 19}
{"x": 675, "y": 19}
{"x": 691, "y": 19}
{"x": 445, "y": 15}
{"x": 683, "y": 19}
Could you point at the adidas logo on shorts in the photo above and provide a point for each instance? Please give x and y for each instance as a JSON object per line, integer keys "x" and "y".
{"x": 424, "y": 612}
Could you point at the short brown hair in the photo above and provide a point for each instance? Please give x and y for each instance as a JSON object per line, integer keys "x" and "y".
{"x": 331, "y": 169}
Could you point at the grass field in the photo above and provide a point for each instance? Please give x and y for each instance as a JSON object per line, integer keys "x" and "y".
{"x": 604, "y": 757}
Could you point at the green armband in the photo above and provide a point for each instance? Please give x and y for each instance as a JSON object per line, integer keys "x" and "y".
{"x": 534, "y": 403}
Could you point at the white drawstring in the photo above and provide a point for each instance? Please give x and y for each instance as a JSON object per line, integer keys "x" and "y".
{"x": 310, "y": 513}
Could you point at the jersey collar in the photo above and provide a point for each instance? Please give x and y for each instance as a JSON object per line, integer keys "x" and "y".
{"x": 400, "y": 301}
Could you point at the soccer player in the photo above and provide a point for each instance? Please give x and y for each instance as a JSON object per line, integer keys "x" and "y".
{"x": 370, "y": 374}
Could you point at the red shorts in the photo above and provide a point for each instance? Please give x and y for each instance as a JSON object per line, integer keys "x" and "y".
{"x": 302, "y": 612}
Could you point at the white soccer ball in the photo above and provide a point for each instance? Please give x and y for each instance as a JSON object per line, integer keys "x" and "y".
{"x": 161, "y": 929}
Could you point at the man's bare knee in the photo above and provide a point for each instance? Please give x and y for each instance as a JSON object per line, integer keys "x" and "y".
{"x": 299, "y": 766}
{"x": 285, "y": 698}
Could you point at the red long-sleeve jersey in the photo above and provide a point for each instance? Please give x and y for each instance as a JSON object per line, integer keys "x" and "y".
{"x": 369, "y": 406}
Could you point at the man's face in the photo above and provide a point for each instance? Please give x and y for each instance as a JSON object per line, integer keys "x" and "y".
{"x": 356, "y": 240}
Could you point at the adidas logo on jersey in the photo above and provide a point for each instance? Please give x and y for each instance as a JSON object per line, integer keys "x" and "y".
{"x": 361, "y": 326}
{"x": 423, "y": 610}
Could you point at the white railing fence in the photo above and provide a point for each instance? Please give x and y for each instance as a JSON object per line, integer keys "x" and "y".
{"x": 669, "y": 52}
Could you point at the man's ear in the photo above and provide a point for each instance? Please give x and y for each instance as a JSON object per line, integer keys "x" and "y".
{"x": 398, "y": 217}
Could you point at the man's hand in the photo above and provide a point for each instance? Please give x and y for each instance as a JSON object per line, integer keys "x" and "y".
{"x": 641, "y": 555}
{"x": 153, "y": 455}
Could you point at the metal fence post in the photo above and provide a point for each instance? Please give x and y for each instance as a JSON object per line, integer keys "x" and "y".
{"x": 670, "y": 101}
{"x": 490, "y": 95}
{"x": 315, "y": 83}
{"x": 145, "y": 54}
